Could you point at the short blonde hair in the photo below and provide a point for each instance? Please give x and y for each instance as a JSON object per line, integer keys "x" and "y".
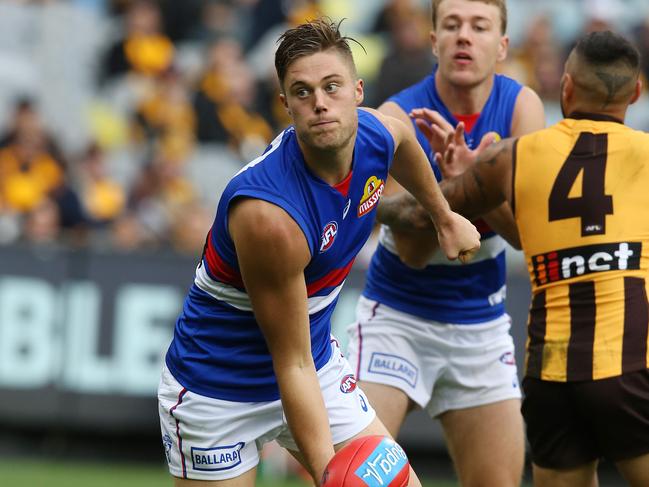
{"x": 313, "y": 36}
{"x": 500, "y": 4}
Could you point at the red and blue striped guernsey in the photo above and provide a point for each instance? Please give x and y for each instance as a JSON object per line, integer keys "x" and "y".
{"x": 218, "y": 349}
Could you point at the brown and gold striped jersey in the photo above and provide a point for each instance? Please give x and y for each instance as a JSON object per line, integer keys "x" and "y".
{"x": 581, "y": 202}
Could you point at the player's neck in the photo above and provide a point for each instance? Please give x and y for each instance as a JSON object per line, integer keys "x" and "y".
{"x": 464, "y": 100}
{"x": 332, "y": 166}
{"x": 615, "y": 111}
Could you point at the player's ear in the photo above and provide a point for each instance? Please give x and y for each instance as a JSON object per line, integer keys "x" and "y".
{"x": 637, "y": 92}
{"x": 359, "y": 94}
{"x": 503, "y": 46}
{"x": 282, "y": 98}
{"x": 567, "y": 87}
{"x": 433, "y": 41}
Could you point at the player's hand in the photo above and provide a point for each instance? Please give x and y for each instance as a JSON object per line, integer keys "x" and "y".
{"x": 458, "y": 237}
{"x": 458, "y": 157}
{"x": 434, "y": 127}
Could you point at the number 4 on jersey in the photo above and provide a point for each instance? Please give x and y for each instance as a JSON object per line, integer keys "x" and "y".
{"x": 588, "y": 157}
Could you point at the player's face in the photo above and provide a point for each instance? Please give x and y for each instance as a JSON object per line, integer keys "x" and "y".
{"x": 321, "y": 94}
{"x": 467, "y": 41}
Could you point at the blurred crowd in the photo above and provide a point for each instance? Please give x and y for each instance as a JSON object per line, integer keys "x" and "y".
{"x": 183, "y": 93}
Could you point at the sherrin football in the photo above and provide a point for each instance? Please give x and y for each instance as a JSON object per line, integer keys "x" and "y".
{"x": 368, "y": 461}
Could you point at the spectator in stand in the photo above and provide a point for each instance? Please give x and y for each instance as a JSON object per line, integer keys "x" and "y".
{"x": 127, "y": 234}
{"x": 392, "y": 8}
{"x": 213, "y": 88}
{"x": 165, "y": 116}
{"x": 226, "y": 102}
{"x": 26, "y": 120}
{"x": 42, "y": 225}
{"x": 144, "y": 48}
{"x": 410, "y": 58}
{"x": 30, "y": 175}
{"x": 158, "y": 197}
{"x": 537, "y": 62}
{"x": 103, "y": 199}
{"x": 220, "y": 18}
{"x": 187, "y": 232}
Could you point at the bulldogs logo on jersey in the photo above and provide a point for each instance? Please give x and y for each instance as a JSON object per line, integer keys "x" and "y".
{"x": 471, "y": 142}
{"x": 329, "y": 233}
{"x": 371, "y": 196}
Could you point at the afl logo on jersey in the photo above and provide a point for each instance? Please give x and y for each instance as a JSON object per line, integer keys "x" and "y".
{"x": 329, "y": 233}
{"x": 348, "y": 384}
{"x": 371, "y": 196}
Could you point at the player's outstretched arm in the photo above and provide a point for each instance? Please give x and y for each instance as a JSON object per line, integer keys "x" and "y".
{"x": 414, "y": 247}
{"x": 272, "y": 253}
{"x": 403, "y": 212}
{"x": 485, "y": 185}
{"x": 458, "y": 238}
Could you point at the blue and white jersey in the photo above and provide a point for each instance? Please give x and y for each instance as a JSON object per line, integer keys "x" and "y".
{"x": 445, "y": 291}
{"x": 218, "y": 349}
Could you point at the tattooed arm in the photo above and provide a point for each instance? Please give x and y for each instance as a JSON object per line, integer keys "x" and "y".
{"x": 402, "y": 212}
{"x": 485, "y": 185}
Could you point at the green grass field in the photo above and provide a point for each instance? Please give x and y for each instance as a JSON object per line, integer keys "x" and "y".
{"x": 48, "y": 473}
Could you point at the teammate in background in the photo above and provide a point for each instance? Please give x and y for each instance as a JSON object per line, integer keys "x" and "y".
{"x": 435, "y": 335}
{"x": 252, "y": 357}
{"x": 579, "y": 194}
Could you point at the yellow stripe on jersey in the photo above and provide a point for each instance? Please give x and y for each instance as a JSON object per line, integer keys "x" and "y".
{"x": 557, "y": 335}
{"x": 607, "y": 345}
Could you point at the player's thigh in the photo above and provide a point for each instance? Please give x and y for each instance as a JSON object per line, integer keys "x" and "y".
{"x": 582, "y": 476}
{"x": 391, "y": 404}
{"x": 247, "y": 479}
{"x": 635, "y": 470}
{"x": 487, "y": 443}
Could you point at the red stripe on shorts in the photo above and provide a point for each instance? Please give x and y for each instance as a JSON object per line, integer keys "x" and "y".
{"x": 180, "y": 440}
{"x": 360, "y": 341}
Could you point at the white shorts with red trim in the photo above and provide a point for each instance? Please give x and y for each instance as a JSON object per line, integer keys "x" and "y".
{"x": 440, "y": 366}
{"x": 212, "y": 439}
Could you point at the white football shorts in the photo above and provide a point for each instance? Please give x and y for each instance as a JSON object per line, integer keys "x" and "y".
{"x": 212, "y": 439}
{"x": 440, "y": 366}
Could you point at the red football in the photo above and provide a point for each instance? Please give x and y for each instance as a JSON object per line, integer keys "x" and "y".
{"x": 374, "y": 461}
